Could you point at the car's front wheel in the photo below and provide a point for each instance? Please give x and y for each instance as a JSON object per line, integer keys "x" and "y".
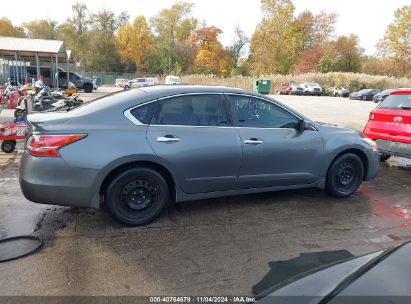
{"x": 88, "y": 88}
{"x": 137, "y": 196}
{"x": 364, "y": 98}
{"x": 345, "y": 175}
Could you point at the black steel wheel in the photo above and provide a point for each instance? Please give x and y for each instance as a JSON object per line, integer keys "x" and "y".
{"x": 345, "y": 175}
{"x": 137, "y": 196}
{"x": 8, "y": 146}
{"x": 88, "y": 88}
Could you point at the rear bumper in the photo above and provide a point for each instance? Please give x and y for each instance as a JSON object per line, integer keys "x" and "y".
{"x": 394, "y": 148}
{"x": 398, "y": 146}
{"x": 49, "y": 180}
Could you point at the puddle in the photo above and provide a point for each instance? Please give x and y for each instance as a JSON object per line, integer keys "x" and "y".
{"x": 19, "y": 222}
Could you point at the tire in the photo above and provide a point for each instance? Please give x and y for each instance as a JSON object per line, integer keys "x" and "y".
{"x": 88, "y": 88}
{"x": 126, "y": 196}
{"x": 8, "y": 146}
{"x": 364, "y": 98}
{"x": 18, "y": 113}
{"x": 126, "y": 88}
{"x": 345, "y": 175}
{"x": 384, "y": 157}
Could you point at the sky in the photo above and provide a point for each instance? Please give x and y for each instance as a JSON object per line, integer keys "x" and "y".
{"x": 366, "y": 18}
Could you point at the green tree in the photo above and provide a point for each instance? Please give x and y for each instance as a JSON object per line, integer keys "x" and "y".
{"x": 102, "y": 54}
{"x": 239, "y": 43}
{"x": 396, "y": 43}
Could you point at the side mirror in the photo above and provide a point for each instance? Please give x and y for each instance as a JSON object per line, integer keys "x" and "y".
{"x": 304, "y": 125}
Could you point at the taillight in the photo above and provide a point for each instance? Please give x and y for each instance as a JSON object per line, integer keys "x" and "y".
{"x": 48, "y": 145}
{"x": 371, "y": 116}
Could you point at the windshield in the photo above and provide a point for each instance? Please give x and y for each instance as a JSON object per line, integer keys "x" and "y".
{"x": 396, "y": 102}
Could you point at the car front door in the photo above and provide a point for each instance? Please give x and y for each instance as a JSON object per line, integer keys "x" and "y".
{"x": 194, "y": 137}
{"x": 275, "y": 151}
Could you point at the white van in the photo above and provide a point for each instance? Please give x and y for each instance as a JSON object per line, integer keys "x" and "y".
{"x": 173, "y": 80}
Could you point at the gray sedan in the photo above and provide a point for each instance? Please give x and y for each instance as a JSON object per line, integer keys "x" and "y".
{"x": 134, "y": 151}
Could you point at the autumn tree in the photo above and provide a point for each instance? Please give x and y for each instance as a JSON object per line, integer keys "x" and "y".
{"x": 174, "y": 24}
{"x": 395, "y": 46}
{"x": 270, "y": 46}
{"x": 211, "y": 56}
{"x": 41, "y": 29}
{"x": 172, "y": 28}
{"x": 135, "y": 43}
{"x": 7, "y": 29}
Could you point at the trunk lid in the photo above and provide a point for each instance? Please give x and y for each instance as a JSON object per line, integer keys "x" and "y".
{"x": 391, "y": 122}
{"x": 44, "y": 122}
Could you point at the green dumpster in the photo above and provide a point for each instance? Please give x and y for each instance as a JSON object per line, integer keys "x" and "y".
{"x": 262, "y": 86}
{"x": 99, "y": 81}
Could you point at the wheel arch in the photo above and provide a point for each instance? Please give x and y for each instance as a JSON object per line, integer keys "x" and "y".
{"x": 361, "y": 154}
{"x": 137, "y": 164}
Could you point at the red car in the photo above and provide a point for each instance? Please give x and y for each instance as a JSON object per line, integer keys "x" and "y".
{"x": 291, "y": 88}
{"x": 389, "y": 125}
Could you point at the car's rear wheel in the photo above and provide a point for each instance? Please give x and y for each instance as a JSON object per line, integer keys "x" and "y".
{"x": 88, "y": 88}
{"x": 345, "y": 175}
{"x": 384, "y": 157}
{"x": 137, "y": 196}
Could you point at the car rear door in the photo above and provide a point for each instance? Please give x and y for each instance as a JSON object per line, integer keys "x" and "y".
{"x": 275, "y": 152}
{"x": 193, "y": 136}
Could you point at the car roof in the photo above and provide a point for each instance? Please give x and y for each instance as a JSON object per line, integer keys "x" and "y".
{"x": 167, "y": 90}
{"x": 404, "y": 91}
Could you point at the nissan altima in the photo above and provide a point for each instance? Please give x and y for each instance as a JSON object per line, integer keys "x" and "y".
{"x": 132, "y": 152}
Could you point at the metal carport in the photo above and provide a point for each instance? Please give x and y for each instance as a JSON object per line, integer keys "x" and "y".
{"x": 19, "y": 52}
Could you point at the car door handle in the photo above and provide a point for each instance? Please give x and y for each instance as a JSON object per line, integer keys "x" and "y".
{"x": 253, "y": 141}
{"x": 168, "y": 139}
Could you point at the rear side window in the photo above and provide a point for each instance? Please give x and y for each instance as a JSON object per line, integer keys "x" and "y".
{"x": 257, "y": 113}
{"x": 144, "y": 113}
{"x": 192, "y": 110}
{"x": 402, "y": 102}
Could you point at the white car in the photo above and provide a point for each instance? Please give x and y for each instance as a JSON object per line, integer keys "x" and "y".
{"x": 312, "y": 88}
{"x": 122, "y": 83}
{"x": 144, "y": 82}
{"x": 173, "y": 80}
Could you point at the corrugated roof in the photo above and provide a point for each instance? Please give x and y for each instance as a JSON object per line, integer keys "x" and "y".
{"x": 30, "y": 45}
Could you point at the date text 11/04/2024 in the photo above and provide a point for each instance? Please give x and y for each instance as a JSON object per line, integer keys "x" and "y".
{"x": 202, "y": 299}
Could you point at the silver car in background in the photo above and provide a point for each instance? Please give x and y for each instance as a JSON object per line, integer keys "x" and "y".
{"x": 133, "y": 151}
{"x": 144, "y": 82}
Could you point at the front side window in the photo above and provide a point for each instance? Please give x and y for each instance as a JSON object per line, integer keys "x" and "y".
{"x": 192, "y": 110}
{"x": 257, "y": 113}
